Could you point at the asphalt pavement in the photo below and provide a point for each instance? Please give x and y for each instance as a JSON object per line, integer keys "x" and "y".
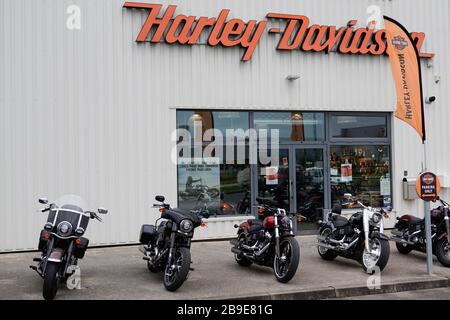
{"x": 120, "y": 273}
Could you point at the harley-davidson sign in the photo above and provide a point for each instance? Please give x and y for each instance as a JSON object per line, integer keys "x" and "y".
{"x": 297, "y": 35}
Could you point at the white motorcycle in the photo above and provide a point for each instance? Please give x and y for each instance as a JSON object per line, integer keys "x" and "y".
{"x": 360, "y": 237}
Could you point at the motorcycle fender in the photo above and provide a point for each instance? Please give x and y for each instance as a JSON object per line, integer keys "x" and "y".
{"x": 327, "y": 224}
{"x": 379, "y": 236}
{"x": 56, "y": 255}
{"x": 443, "y": 235}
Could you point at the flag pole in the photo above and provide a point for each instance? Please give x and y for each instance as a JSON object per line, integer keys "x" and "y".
{"x": 423, "y": 136}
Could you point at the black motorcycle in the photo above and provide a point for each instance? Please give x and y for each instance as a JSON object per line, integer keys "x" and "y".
{"x": 409, "y": 233}
{"x": 360, "y": 238}
{"x": 167, "y": 244}
{"x": 270, "y": 242}
{"x": 61, "y": 242}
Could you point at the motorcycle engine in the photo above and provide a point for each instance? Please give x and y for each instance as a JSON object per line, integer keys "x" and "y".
{"x": 257, "y": 236}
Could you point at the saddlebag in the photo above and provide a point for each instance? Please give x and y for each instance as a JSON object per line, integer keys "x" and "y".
{"x": 148, "y": 233}
{"x": 80, "y": 249}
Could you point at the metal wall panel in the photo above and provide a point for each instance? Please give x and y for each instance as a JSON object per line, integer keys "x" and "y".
{"x": 91, "y": 112}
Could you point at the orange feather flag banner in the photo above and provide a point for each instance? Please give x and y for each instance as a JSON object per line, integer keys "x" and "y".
{"x": 406, "y": 71}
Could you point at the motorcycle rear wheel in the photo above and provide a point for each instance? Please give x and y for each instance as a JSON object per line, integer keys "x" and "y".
{"x": 326, "y": 254}
{"x": 240, "y": 258}
{"x": 173, "y": 279}
{"x": 286, "y": 267}
{"x": 151, "y": 268}
{"x": 443, "y": 252}
{"x": 50, "y": 281}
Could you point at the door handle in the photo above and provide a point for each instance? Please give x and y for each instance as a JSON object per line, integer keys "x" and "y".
{"x": 291, "y": 189}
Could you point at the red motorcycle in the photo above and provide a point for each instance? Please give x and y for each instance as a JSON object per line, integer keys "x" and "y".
{"x": 270, "y": 242}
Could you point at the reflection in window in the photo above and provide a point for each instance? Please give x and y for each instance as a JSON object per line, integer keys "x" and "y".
{"x": 220, "y": 183}
{"x": 358, "y": 126}
{"x": 292, "y": 126}
{"x": 221, "y": 120}
{"x": 362, "y": 171}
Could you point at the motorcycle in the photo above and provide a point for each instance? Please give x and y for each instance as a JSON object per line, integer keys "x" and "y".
{"x": 409, "y": 233}
{"x": 61, "y": 242}
{"x": 360, "y": 238}
{"x": 166, "y": 246}
{"x": 268, "y": 243}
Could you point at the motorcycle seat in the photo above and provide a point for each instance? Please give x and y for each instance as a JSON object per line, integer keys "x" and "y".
{"x": 339, "y": 221}
{"x": 252, "y": 222}
{"x": 411, "y": 219}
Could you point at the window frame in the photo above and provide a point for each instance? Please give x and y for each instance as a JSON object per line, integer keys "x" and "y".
{"x": 326, "y": 144}
{"x": 353, "y": 140}
{"x": 290, "y": 142}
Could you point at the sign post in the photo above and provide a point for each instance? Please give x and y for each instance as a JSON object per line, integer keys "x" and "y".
{"x": 427, "y": 187}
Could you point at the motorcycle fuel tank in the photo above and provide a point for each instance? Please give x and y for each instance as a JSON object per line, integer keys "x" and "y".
{"x": 269, "y": 222}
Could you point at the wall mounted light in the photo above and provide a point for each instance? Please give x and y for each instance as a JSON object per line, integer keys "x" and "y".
{"x": 292, "y": 77}
{"x": 430, "y": 100}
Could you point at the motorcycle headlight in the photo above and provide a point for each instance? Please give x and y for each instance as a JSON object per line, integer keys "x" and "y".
{"x": 48, "y": 226}
{"x": 186, "y": 226}
{"x": 376, "y": 218}
{"x": 286, "y": 222}
{"x": 64, "y": 229}
{"x": 79, "y": 231}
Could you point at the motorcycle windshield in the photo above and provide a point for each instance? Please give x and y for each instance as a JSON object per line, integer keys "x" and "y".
{"x": 69, "y": 208}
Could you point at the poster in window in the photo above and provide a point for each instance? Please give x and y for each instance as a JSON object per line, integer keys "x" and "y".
{"x": 199, "y": 183}
{"x": 385, "y": 186}
{"x": 271, "y": 175}
{"x": 346, "y": 172}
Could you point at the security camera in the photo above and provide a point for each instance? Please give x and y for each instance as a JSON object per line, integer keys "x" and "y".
{"x": 430, "y": 99}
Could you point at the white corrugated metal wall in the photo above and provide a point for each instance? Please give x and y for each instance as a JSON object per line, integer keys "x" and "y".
{"x": 90, "y": 111}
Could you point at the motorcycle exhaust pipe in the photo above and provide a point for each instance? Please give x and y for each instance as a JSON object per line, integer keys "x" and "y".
{"x": 327, "y": 246}
{"x": 236, "y": 251}
{"x": 260, "y": 252}
{"x": 401, "y": 240}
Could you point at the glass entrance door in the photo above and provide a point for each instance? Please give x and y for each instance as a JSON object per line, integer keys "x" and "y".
{"x": 275, "y": 180}
{"x": 296, "y": 184}
{"x": 309, "y": 186}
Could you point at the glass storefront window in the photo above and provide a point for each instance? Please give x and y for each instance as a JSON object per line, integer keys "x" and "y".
{"x": 221, "y": 189}
{"x": 362, "y": 171}
{"x": 292, "y": 126}
{"x": 221, "y": 182}
{"x": 221, "y": 120}
{"x": 217, "y": 183}
{"x": 358, "y": 126}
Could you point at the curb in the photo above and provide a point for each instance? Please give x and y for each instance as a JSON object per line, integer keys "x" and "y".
{"x": 348, "y": 291}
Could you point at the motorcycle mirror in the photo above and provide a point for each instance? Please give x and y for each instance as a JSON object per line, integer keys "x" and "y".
{"x": 102, "y": 210}
{"x": 160, "y": 198}
{"x": 43, "y": 200}
{"x": 347, "y": 196}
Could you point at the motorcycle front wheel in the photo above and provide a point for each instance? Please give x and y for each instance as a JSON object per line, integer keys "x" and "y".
{"x": 377, "y": 259}
{"x": 50, "y": 281}
{"x": 286, "y": 265}
{"x": 176, "y": 273}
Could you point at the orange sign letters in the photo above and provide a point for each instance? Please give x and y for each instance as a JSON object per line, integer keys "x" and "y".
{"x": 298, "y": 34}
